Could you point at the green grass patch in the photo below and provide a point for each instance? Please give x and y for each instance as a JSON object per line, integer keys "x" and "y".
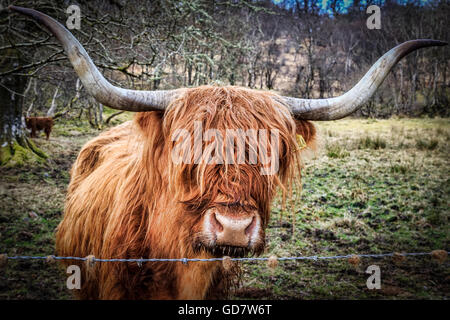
{"x": 374, "y": 143}
{"x": 427, "y": 144}
{"x": 336, "y": 151}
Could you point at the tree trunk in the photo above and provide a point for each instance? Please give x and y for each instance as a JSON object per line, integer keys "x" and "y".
{"x": 100, "y": 116}
{"x": 52, "y": 109}
{"x": 15, "y": 147}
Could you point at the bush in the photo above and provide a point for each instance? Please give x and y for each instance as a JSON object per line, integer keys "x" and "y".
{"x": 399, "y": 168}
{"x": 336, "y": 151}
{"x": 372, "y": 143}
{"x": 423, "y": 144}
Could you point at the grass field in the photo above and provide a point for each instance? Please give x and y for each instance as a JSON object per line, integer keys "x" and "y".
{"x": 373, "y": 186}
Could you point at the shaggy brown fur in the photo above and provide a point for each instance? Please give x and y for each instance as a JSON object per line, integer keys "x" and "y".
{"x": 127, "y": 199}
{"x": 38, "y": 124}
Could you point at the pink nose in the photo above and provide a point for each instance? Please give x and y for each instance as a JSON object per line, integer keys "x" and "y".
{"x": 233, "y": 230}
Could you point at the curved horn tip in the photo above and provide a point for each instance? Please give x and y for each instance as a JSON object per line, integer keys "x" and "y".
{"x": 433, "y": 42}
{"x": 14, "y": 8}
{"x": 25, "y": 11}
{"x": 422, "y": 43}
{"x": 441, "y": 43}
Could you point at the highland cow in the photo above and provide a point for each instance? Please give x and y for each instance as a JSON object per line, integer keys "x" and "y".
{"x": 39, "y": 123}
{"x": 128, "y": 199}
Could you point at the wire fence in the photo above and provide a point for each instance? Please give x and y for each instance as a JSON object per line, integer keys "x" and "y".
{"x": 437, "y": 254}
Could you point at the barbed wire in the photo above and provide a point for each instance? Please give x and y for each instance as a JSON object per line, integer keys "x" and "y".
{"x": 186, "y": 260}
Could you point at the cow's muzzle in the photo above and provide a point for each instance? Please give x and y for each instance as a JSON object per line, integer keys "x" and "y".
{"x": 233, "y": 234}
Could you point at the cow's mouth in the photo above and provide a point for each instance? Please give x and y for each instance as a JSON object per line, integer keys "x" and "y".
{"x": 219, "y": 251}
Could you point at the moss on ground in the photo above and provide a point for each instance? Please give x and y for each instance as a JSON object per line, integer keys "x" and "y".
{"x": 21, "y": 153}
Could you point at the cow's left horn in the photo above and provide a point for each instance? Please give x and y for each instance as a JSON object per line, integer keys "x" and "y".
{"x": 342, "y": 106}
{"x": 103, "y": 91}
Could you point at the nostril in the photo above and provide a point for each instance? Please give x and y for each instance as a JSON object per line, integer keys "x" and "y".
{"x": 251, "y": 226}
{"x": 216, "y": 224}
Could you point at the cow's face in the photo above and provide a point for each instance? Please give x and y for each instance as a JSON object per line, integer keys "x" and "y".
{"x": 225, "y": 188}
{"x": 231, "y": 216}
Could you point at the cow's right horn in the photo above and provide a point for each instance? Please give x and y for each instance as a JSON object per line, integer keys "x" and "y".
{"x": 344, "y": 105}
{"x": 103, "y": 91}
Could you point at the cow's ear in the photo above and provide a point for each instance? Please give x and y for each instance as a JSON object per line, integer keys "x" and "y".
{"x": 150, "y": 123}
{"x": 307, "y": 130}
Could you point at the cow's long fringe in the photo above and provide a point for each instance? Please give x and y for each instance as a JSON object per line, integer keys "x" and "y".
{"x": 128, "y": 199}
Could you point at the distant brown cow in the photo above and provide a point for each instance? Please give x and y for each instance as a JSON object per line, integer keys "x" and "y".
{"x": 38, "y": 124}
